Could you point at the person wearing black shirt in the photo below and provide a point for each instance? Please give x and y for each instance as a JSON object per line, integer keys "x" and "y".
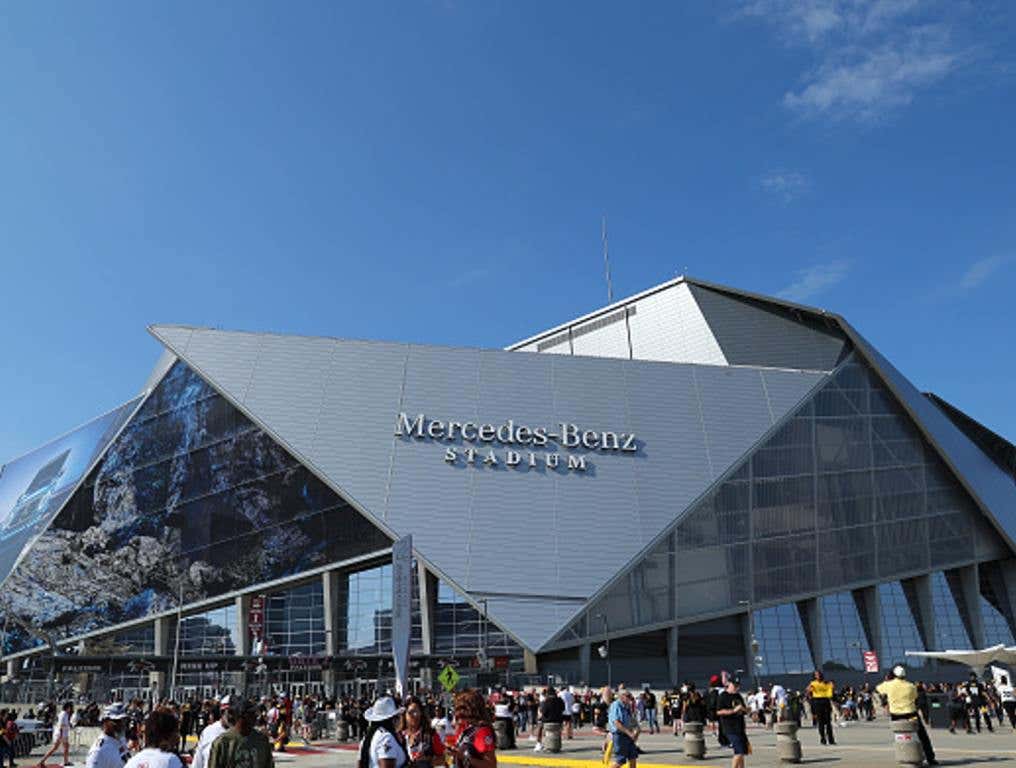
{"x": 730, "y": 710}
{"x": 551, "y": 711}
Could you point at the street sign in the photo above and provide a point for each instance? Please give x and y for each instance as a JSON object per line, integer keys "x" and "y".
{"x": 448, "y": 678}
{"x": 870, "y": 661}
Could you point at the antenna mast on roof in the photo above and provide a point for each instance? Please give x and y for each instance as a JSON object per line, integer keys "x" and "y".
{"x": 606, "y": 261}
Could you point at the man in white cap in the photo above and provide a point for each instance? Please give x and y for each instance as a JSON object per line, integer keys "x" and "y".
{"x": 211, "y": 732}
{"x": 902, "y": 697}
{"x": 110, "y": 749}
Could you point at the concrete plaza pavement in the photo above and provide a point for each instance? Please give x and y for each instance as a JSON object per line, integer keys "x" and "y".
{"x": 859, "y": 745}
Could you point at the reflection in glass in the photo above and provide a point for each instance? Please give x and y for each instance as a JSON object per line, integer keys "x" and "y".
{"x": 190, "y": 495}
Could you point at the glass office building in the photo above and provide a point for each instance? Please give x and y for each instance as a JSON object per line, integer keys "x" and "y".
{"x": 706, "y": 478}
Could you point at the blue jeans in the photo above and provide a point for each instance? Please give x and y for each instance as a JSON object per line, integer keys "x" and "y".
{"x": 651, "y": 717}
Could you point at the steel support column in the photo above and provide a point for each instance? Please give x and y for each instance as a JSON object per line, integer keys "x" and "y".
{"x": 810, "y": 612}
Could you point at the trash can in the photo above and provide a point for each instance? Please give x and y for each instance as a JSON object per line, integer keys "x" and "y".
{"x": 938, "y": 706}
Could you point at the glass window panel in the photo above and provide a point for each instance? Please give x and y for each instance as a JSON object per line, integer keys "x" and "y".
{"x": 899, "y": 628}
{"x": 783, "y": 506}
{"x": 847, "y": 556}
{"x": 842, "y": 444}
{"x": 295, "y": 621}
{"x": 843, "y": 636}
{"x": 210, "y": 633}
{"x": 950, "y": 633}
{"x": 845, "y": 499}
{"x": 782, "y": 644}
{"x": 902, "y": 547}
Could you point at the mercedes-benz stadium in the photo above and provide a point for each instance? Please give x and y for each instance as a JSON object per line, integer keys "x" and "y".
{"x": 692, "y": 479}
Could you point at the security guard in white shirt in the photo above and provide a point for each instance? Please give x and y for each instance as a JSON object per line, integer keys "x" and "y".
{"x": 110, "y": 749}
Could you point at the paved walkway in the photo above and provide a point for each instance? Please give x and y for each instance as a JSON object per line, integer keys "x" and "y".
{"x": 859, "y": 745}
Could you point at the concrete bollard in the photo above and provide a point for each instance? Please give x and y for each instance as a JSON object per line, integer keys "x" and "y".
{"x": 503, "y": 734}
{"x": 694, "y": 741}
{"x": 552, "y": 737}
{"x": 788, "y": 746}
{"x": 342, "y": 730}
{"x": 907, "y": 744}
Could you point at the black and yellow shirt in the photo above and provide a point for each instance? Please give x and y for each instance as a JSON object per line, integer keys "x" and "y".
{"x": 820, "y": 689}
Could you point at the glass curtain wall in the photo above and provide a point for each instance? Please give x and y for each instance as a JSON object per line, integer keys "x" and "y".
{"x": 846, "y": 492}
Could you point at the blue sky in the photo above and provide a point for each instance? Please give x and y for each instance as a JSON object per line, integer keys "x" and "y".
{"x": 436, "y": 172}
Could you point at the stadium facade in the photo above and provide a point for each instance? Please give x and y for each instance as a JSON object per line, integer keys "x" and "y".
{"x": 692, "y": 479}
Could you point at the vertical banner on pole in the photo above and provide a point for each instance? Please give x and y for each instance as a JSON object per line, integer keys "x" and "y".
{"x": 402, "y": 597}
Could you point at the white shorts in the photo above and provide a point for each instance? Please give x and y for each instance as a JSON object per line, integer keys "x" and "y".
{"x": 59, "y": 736}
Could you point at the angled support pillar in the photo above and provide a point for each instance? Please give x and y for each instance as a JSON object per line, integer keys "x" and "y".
{"x": 969, "y": 602}
{"x": 428, "y": 606}
{"x": 1008, "y": 572}
{"x": 869, "y": 608}
{"x": 672, "y": 659}
{"x": 427, "y": 583}
{"x": 585, "y": 654}
{"x": 810, "y": 612}
{"x": 918, "y": 592}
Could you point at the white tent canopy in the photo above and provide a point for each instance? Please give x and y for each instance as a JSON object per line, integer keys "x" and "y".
{"x": 975, "y": 659}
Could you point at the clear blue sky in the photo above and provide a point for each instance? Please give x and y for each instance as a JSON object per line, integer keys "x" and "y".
{"x": 436, "y": 172}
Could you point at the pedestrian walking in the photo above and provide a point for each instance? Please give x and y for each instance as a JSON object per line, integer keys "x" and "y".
{"x": 162, "y": 736}
{"x": 820, "y": 693}
{"x": 61, "y": 735}
{"x": 731, "y": 709}
{"x": 110, "y": 749}
{"x": 624, "y": 730}
{"x": 1008, "y": 697}
{"x": 210, "y": 733}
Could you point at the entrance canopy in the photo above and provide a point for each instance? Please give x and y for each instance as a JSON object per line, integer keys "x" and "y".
{"x": 976, "y": 659}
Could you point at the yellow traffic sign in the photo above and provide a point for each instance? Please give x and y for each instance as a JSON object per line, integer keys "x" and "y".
{"x": 448, "y": 678}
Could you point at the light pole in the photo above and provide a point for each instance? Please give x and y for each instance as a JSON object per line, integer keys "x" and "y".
{"x": 604, "y": 650}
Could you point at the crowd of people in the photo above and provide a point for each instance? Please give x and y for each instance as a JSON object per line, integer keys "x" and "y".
{"x": 430, "y": 729}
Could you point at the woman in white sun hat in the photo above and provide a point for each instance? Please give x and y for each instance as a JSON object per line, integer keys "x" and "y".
{"x": 381, "y": 746}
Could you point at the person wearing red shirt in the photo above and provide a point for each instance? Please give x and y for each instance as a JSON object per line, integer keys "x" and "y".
{"x": 474, "y": 742}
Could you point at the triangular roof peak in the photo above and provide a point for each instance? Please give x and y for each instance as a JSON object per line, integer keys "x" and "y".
{"x": 669, "y": 284}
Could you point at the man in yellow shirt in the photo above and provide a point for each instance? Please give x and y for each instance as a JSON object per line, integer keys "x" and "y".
{"x": 820, "y": 692}
{"x": 902, "y": 698}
